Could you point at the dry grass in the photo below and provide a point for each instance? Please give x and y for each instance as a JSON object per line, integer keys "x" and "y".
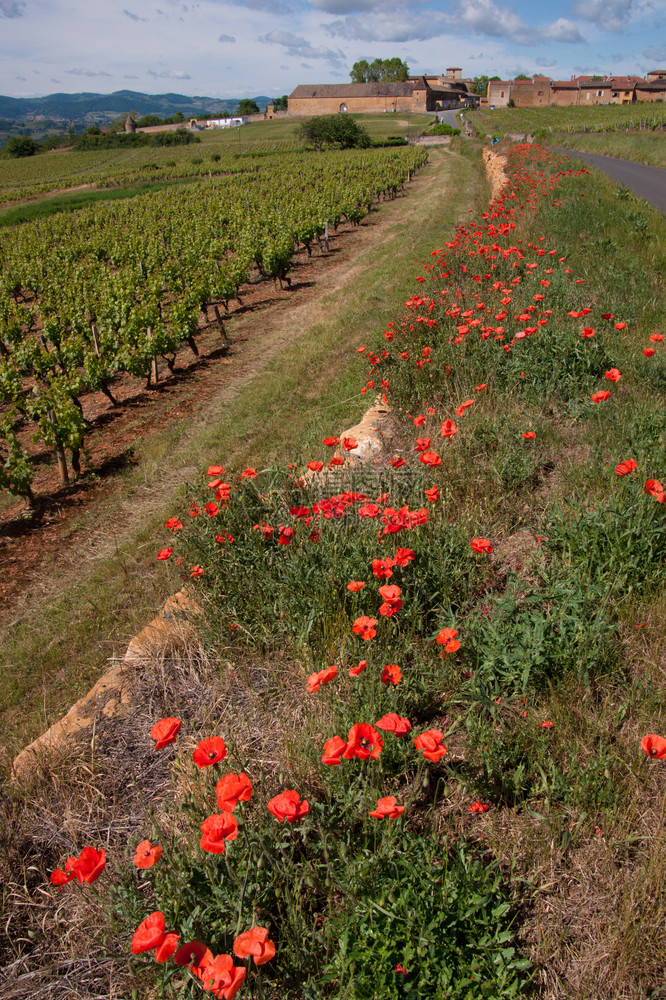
{"x": 105, "y": 788}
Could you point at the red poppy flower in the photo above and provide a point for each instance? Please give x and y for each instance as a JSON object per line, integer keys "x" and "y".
{"x": 165, "y": 731}
{"x": 648, "y": 352}
{"x": 390, "y": 593}
{"x": 211, "y": 509}
{"x": 165, "y": 553}
{"x": 477, "y": 807}
{"x": 613, "y": 375}
{"x": 547, "y": 724}
{"x": 220, "y": 976}
{"x": 587, "y": 332}
{"x": 315, "y": 466}
{"x": 193, "y": 954}
{"x": 209, "y": 751}
{"x": 656, "y": 338}
{"x": 401, "y": 970}
{"x": 164, "y": 951}
{"x": 620, "y": 326}
{"x": 265, "y": 529}
{"x": 357, "y": 671}
{"x": 146, "y": 856}
{"x": 481, "y": 545}
{"x": 149, "y": 934}
{"x": 224, "y": 537}
{"x": 448, "y": 429}
{"x": 430, "y": 742}
{"x": 196, "y": 571}
{"x": 232, "y": 789}
{"x": 422, "y": 444}
{"x": 403, "y": 557}
{"x": 86, "y": 868}
{"x": 381, "y": 568}
{"x": 387, "y": 808}
{"x": 174, "y": 523}
{"x": 59, "y": 877}
{"x": 430, "y": 458}
{"x": 391, "y": 674}
{"x": 288, "y": 806}
{"x": 369, "y": 510}
{"x": 355, "y": 585}
{"x": 332, "y": 750}
{"x": 215, "y": 470}
{"x": 286, "y": 535}
{"x": 336, "y": 460}
{"x": 529, "y": 435}
{"x": 349, "y": 444}
{"x": 654, "y": 746}
{"x": 393, "y": 723}
{"x": 364, "y": 742}
{"x": 331, "y": 442}
{"x": 598, "y": 397}
{"x": 480, "y": 388}
{"x": 446, "y": 635}
{"x": 216, "y": 829}
{"x": 365, "y": 627}
{"x": 322, "y": 677}
{"x": 396, "y": 461}
{"x": 432, "y": 494}
{"x": 653, "y": 487}
{"x": 624, "y": 468}
{"x": 256, "y": 943}
{"x": 249, "y": 474}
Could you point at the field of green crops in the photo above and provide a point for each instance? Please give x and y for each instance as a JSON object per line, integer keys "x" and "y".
{"x": 62, "y": 169}
{"x": 610, "y": 117}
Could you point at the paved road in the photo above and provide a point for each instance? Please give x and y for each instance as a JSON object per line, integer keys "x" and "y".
{"x": 646, "y": 182}
{"x": 450, "y": 117}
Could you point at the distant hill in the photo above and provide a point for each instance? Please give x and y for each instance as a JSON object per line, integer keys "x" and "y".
{"x": 87, "y": 107}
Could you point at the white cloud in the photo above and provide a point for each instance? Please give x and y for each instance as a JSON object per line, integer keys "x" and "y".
{"x": 483, "y": 17}
{"x": 545, "y": 63}
{"x": 389, "y": 26}
{"x": 170, "y": 74}
{"x": 561, "y": 30}
{"x": 226, "y": 38}
{"x": 86, "y": 72}
{"x": 609, "y": 15}
{"x": 301, "y": 48}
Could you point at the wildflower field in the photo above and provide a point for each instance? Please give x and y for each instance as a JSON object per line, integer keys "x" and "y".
{"x": 420, "y": 750}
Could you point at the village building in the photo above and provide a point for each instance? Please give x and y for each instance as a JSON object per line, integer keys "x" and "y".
{"x": 417, "y": 93}
{"x": 579, "y": 91}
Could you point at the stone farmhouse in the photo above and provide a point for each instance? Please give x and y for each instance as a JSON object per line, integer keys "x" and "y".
{"x": 417, "y": 93}
{"x": 579, "y": 91}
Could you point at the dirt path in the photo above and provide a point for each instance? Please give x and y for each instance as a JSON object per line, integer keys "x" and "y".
{"x": 38, "y": 552}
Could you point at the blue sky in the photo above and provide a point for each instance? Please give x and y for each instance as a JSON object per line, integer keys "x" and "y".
{"x": 221, "y": 48}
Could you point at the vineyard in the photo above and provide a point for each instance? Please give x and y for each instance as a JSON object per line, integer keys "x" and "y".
{"x": 603, "y": 118}
{"x": 216, "y": 154}
{"x": 119, "y": 288}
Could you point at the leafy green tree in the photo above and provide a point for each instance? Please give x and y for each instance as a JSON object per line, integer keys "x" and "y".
{"x": 479, "y": 85}
{"x": 21, "y": 145}
{"x": 522, "y": 76}
{"x": 247, "y": 107}
{"x": 379, "y": 70}
{"x": 329, "y": 130}
{"x": 148, "y": 121}
{"x": 175, "y": 119}
{"x": 281, "y": 103}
